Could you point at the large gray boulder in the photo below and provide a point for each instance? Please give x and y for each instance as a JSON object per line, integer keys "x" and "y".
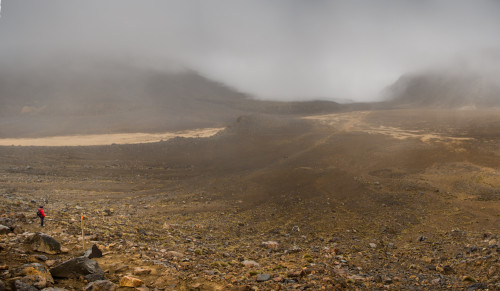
{"x": 44, "y": 243}
{"x": 80, "y": 266}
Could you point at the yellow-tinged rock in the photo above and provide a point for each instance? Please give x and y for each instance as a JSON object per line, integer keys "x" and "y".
{"x": 127, "y": 281}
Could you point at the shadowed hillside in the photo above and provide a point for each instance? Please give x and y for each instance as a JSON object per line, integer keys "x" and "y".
{"x": 445, "y": 90}
{"x": 76, "y": 97}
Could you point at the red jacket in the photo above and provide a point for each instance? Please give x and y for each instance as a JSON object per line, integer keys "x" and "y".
{"x": 42, "y": 213}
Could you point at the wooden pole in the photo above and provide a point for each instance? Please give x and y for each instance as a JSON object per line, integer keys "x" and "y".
{"x": 83, "y": 235}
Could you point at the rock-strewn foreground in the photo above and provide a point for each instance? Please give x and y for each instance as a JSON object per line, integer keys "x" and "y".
{"x": 370, "y": 200}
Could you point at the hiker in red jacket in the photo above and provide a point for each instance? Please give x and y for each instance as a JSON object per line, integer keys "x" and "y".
{"x": 41, "y": 214}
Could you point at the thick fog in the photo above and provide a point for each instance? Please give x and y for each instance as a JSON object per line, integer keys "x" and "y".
{"x": 281, "y": 49}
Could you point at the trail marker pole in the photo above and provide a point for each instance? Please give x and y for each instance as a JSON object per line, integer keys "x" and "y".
{"x": 83, "y": 235}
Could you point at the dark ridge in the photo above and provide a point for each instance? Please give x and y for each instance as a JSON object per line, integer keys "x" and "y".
{"x": 75, "y": 97}
{"x": 444, "y": 90}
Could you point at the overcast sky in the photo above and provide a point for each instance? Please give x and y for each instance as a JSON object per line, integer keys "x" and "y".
{"x": 273, "y": 49}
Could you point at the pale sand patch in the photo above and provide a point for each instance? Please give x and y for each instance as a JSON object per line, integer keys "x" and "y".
{"x": 108, "y": 139}
{"x": 354, "y": 121}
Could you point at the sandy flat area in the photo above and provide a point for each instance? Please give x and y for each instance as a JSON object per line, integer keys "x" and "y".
{"x": 107, "y": 139}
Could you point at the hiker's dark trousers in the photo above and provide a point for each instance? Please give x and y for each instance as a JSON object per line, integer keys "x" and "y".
{"x": 41, "y": 220}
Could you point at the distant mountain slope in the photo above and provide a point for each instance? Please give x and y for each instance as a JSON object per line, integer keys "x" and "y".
{"x": 71, "y": 97}
{"x": 445, "y": 89}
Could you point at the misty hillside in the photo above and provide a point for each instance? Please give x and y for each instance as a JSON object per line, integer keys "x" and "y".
{"x": 77, "y": 98}
{"x": 445, "y": 90}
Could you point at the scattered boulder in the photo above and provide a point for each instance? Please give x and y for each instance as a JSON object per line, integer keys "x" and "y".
{"x": 271, "y": 245}
{"x": 21, "y": 286}
{"x": 141, "y": 271}
{"x": 249, "y": 264}
{"x": 35, "y": 275}
{"x": 44, "y": 243}
{"x": 174, "y": 254}
{"x": 127, "y": 281}
{"x": 108, "y": 212}
{"x": 263, "y": 277}
{"x": 42, "y": 258}
{"x": 100, "y": 285}
{"x": 5, "y": 221}
{"x": 477, "y": 286}
{"x": 54, "y": 289}
{"x": 95, "y": 277}
{"x": 121, "y": 268}
{"x": 80, "y": 266}
{"x": 93, "y": 252}
{"x": 4, "y": 229}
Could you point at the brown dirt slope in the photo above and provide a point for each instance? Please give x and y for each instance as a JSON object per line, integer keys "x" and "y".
{"x": 399, "y": 199}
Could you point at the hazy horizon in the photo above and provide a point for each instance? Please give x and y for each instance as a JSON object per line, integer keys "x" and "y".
{"x": 279, "y": 50}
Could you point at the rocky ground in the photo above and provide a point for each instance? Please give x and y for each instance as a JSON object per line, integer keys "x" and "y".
{"x": 379, "y": 200}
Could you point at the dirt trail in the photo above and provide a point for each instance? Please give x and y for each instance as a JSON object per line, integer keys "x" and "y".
{"x": 107, "y": 139}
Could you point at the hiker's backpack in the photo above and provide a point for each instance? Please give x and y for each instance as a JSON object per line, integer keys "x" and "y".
{"x": 38, "y": 213}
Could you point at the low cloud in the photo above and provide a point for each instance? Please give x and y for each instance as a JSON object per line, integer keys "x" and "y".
{"x": 282, "y": 50}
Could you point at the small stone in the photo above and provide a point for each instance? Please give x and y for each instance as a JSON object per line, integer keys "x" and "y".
{"x": 21, "y": 286}
{"x": 295, "y": 274}
{"x": 174, "y": 254}
{"x": 435, "y": 281}
{"x": 127, "y": 281}
{"x": 4, "y": 229}
{"x": 468, "y": 278}
{"x": 141, "y": 271}
{"x": 250, "y": 264}
{"x": 372, "y": 245}
{"x": 100, "y": 285}
{"x": 477, "y": 286}
{"x": 108, "y": 212}
{"x": 121, "y": 268}
{"x": 492, "y": 271}
{"x": 271, "y": 245}
{"x": 41, "y": 258}
{"x": 263, "y": 277}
